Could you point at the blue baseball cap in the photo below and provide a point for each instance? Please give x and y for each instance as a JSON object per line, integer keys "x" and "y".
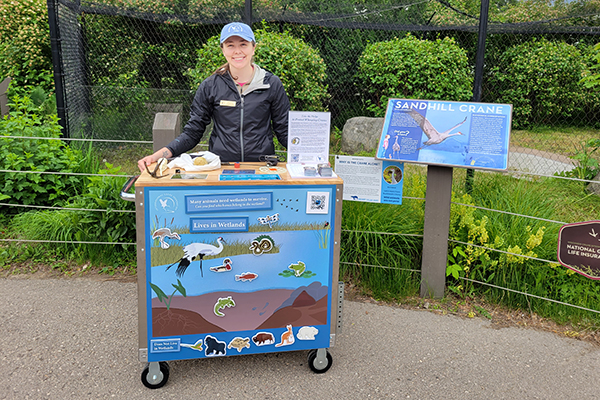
{"x": 237, "y": 29}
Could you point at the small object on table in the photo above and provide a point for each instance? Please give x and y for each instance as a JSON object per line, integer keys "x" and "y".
{"x": 310, "y": 171}
{"x": 325, "y": 170}
{"x": 200, "y": 161}
{"x": 159, "y": 170}
{"x": 236, "y": 165}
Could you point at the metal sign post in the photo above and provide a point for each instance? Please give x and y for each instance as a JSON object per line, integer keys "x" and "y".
{"x": 435, "y": 231}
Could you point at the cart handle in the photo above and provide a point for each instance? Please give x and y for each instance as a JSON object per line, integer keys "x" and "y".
{"x": 128, "y": 196}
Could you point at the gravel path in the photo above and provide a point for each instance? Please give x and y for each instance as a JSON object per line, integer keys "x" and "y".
{"x": 77, "y": 339}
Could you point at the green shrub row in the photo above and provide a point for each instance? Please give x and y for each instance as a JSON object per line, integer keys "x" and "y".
{"x": 541, "y": 78}
{"x": 38, "y": 155}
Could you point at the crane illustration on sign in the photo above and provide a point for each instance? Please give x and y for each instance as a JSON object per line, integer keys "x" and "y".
{"x": 194, "y": 251}
{"x": 163, "y": 233}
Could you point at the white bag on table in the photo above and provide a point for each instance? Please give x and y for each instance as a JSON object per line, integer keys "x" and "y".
{"x": 186, "y": 162}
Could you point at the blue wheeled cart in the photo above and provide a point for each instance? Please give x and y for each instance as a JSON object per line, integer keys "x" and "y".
{"x": 236, "y": 263}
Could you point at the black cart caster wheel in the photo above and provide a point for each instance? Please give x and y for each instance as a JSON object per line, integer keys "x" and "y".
{"x": 320, "y": 364}
{"x": 155, "y": 376}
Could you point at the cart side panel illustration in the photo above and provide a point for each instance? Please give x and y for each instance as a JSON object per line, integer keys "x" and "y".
{"x": 235, "y": 270}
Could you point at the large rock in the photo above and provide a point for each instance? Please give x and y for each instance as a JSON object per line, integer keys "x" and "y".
{"x": 594, "y": 187}
{"x": 361, "y": 134}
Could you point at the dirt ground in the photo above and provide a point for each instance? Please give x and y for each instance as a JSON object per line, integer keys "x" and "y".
{"x": 499, "y": 316}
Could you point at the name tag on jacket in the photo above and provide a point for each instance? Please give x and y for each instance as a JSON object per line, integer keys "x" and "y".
{"x": 227, "y": 103}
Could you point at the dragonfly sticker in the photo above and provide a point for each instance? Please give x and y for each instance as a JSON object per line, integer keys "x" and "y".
{"x": 269, "y": 220}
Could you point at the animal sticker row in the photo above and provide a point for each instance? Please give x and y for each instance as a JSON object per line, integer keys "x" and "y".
{"x": 213, "y": 347}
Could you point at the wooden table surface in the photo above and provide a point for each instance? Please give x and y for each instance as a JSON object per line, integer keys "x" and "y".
{"x": 212, "y": 179}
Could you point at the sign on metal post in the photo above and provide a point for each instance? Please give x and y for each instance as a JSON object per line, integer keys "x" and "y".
{"x": 443, "y": 134}
{"x": 579, "y": 248}
{"x": 446, "y": 133}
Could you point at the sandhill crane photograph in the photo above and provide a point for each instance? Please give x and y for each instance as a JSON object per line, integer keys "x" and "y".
{"x": 433, "y": 135}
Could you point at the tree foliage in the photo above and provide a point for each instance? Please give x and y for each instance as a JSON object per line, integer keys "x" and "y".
{"x": 541, "y": 79}
{"x": 25, "y": 44}
{"x": 411, "y": 68}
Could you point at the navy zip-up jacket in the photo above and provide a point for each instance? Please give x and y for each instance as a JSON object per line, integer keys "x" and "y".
{"x": 243, "y": 124}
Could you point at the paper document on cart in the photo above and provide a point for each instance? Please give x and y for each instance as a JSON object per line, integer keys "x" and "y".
{"x": 308, "y": 141}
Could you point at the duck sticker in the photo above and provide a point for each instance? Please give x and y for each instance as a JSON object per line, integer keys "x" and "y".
{"x": 223, "y": 268}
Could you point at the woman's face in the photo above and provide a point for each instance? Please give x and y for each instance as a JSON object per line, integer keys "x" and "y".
{"x": 238, "y": 52}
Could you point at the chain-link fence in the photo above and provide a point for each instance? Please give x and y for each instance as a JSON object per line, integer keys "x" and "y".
{"x": 123, "y": 61}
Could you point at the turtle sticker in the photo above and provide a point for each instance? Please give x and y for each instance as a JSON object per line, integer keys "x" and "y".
{"x": 239, "y": 343}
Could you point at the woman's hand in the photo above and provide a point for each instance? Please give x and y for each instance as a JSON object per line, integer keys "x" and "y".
{"x": 164, "y": 152}
{"x": 145, "y": 161}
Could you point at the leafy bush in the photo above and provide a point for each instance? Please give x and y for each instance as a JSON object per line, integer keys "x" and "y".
{"x": 300, "y": 67}
{"x": 414, "y": 69}
{"x": 25, "y": 119}
{"x": 87, "y": 222}
{"x": 541, "y": 80}
{"x": 591, "y": 76}
{"x": 25, "y": 44}
{"x": 522, "y": 245}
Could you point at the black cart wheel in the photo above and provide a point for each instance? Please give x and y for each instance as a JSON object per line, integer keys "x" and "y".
{"x": 156, "y": 378}
{"x": 321, "y": 364}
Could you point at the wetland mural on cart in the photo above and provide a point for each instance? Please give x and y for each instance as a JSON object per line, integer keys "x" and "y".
{"x": 247, "y": 269}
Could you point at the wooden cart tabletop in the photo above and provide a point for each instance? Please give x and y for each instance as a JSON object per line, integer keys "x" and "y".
{"x": 213, "y": 177}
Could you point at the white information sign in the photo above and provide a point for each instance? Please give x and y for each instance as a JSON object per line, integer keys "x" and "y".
{"x": 370, "y": 180}
{"x": 308, "y": 141}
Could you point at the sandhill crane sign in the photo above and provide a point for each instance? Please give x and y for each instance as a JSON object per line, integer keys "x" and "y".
{"x": 579, "y": 248}
{"x": 446, "y": 133}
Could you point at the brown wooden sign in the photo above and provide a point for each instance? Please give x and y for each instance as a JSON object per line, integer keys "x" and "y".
{"x": 579, "y": 248}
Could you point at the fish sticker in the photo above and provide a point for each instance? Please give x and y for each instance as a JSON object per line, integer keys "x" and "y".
{"x": 246, "y": 277}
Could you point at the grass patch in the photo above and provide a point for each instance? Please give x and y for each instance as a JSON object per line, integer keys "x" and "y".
{"x": 562, "y": 140}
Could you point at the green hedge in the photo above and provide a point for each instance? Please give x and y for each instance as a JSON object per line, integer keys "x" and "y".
{"x": 45, "y": 155}
{"x": 414, "y": 69}
{"x": 541, "y": 79}
{"x": 25, "y": 44}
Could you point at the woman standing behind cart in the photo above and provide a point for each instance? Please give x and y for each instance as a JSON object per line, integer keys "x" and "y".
{"x": 247, "y": 104}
